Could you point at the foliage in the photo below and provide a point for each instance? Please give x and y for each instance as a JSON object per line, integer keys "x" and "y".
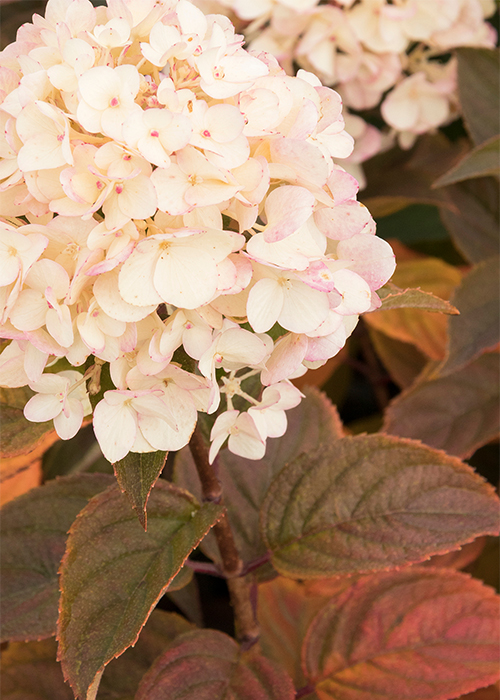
{"x": 341, "y": 547}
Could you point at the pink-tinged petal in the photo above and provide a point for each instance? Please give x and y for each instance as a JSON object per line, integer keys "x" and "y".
{"x": 220, "y": 432}
{"x": 318, "y": 276}
{"x": 304, "y": 309}
{"x": 246, "y": 442}
{"x": 98, "y": 85}
{"x": 371, "y": 257}
{"x": 10, "y": 267}
{"x": 264, "y": 305}
{"x": 43, "y": 407}
{"x": 34, "y": 362}
{"x": 400, "y": 112}
{"x": 171, "y": 184}
{"x": 224, "y": 122}
{"x": 12, "y": 372}
{"x": 138, "y": 198}
{"x": 68, "y": 426}
{"x": 90, "y": 333}
{"x": 287, "y": 208}
{"x": 135, "y": 281}
{"x": 47, "y": 273}
{"x": 185, "y": 277}
{"x": 41, "y": 153}
{"x": 321, "y": 349}
{"x": 305, "y": 159}
{"x": 240, "y": 348}
{"x": 343, "y": 221}
{"x": 89, "y": 117}
{"x": 29, "y": 311}
{"x": 355, "y": 292}
{"x": 108, "y": 296}
{"x": 342, "y": 186}
{"x": 286, "y": 358}
{"x": 60, "y": 326}
{"x": 115, "y": 428}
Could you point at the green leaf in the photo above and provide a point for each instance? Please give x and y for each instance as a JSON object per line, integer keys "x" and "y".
{"x": 136, "y": 474}
{"x": 31, "y": 672}
{"x": 245, "y": 482}
{"x": 113, "y": 573}
{"x": 458, "y": 413}
{"x": 122, "y": 676}
{"x": 372, "y": 502}
{"x": 477, "y": 329}
{"x": 34, "y": 533}
{"x": 478, "y": 80}
{"x": 395, "y": 298}
{"x": 413, "y": 634}
{"x": 19, "y": 435}
{"x": 209, "y": 665}
{"x": 473, "y": 219}
{"x": 481, "y": 161}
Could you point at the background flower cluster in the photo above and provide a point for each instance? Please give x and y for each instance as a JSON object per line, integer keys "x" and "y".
{"x": 392, "y": 54}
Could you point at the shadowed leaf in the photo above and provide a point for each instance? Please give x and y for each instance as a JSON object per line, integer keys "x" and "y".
{"x": 19, "y": 435}
{"x": 460, "y": 558}
{"x": 415, "y": 326}
{"x": 477, "y": 329}
{"x": 123, "y": 675}
{"x": 30, "y": 672}
{"x": 395, "y": 298}
{"x": 473, "y": 221}
{"x": 458, "y": 413}
{"x": 34, "y": 533}
{"x": 402, "y": 361}
{"x": 245, "y": 481}
{"x": 136, "y": 475}
{"x": 478, "y": 79}
{"x": 481, "y": 161}
{"x": 413, "y": 634}
{"x": 372, "y": 502}
{"x": 209, "y": 665}
{"x": 113, "y": 573}
{"x": 397, "y": 179}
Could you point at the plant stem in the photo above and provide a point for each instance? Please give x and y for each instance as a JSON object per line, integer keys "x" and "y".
{"x": 247, "y": 631}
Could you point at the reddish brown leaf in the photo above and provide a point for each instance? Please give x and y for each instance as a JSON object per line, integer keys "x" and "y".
{"x": 113, "y": 573}
{"x": 34, "y": 533}
{"x": 427, "y": 331}
{"x": 245, "y": 482}
{"x": 209, "y": 665}
{"x": 415, "y": 634}
{"x": 458, "y": 413}
{"x": 460, "y": 558}
{"x": 122, "y": 676}
{"x": 393, "y": 297}
{"x": 478, "y": 78}
{"x": 372, "y": 502}
{"x": 285, "y": 610}
{"x": 492, "y": 692}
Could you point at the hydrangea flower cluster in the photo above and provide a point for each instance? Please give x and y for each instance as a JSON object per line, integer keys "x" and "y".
{"x": 171, "y": 206}
{"x": 389, "y": 52}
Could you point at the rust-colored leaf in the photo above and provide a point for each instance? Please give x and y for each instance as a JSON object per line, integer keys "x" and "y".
{"x": 428, "y": 332}
{"x": 122, "y": 676}
{"x": 209, "y": 665}
{"x": 393, "y": 297}
{"x": 480, "y": 162}
{"x": 113, "y": 573}
{"x": 372, "y": 502}
{"x": 285, "y": 610}
{"x": 413, "y": 634}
